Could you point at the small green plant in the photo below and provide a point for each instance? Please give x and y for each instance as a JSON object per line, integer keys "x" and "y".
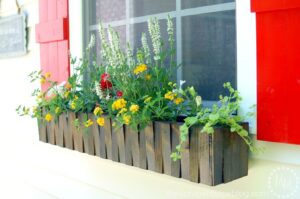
{"x": 223, "y": 113}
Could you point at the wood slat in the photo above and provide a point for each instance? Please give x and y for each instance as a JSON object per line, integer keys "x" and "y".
{"x": 118, "y": 144}
{"x": 158, "y": 148}
{"x": 235, "y": 156}
{"x": 60, "y": 131}
{"x": 107, "y": 129}
{"x": 52, "y": 31}
{"x": 185, "y": 159}
{"x": 42, "y": 131}
{"x": 175, "y": 165}
{"x": 165, "y": 129}
{"x": 68, "y": 135}
{"x": 88, "y": 138}
{"x": 77, "y": 133}
{"x": 142, "y": 150}
{"x": 217, "y": 155}
{"x": 51, "y": 131}
{"x": 132, "y": 148}
{"x": 193, "y": 165}
{"x": 128, "y": 154}
{"x": 149, "y": 142}
{"x": 211, "y": 157}
{"x": 95, "y": 129}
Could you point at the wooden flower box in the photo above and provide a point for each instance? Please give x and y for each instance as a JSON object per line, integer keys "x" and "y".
{"x": 208, "y": 159}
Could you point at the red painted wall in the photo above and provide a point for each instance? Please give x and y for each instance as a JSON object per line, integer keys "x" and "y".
{"x": 278, "y": 70}
{"x": 53, "y": 35}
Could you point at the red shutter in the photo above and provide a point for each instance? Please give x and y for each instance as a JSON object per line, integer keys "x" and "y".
{"x": 53, "y": 35}
{"x": 278, "y": 70}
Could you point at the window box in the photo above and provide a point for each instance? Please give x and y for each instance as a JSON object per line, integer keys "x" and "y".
{"x": 208, "y": 159}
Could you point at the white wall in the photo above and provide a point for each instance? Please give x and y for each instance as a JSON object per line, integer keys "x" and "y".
{"x": 246, "y": 57}
{"x": 15, "y": 87}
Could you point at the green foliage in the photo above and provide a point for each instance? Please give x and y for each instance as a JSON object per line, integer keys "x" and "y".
{"x": 223, "y": 113}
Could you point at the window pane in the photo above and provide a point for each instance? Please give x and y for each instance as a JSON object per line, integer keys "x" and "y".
{"x": 209, "y": 52}
{"x": 197, "y": 3}
{"x": 145, "y": 7}
{"x": 108, "y": 10}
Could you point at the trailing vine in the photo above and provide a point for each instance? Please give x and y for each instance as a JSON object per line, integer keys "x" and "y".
{"x": 223, "y": 113}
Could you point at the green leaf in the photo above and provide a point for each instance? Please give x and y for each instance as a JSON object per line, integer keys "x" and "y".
{"x": 214, "y": 117}
{"x": 243, "y": 133}
{"x": 191, "y": 121}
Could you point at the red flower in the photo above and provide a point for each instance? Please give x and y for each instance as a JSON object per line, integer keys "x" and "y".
{"x": 105, "y": 76}
{"x": 104, "y": 83}
{"x": 119, "y": 93}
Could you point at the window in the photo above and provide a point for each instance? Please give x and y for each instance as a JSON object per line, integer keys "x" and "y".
{"x": 205, "y": 35}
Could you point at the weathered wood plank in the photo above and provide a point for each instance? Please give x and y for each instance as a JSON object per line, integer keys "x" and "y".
{"x": 235, "y": 156}
{"x": 194, "y": 169}
{"x": 128, "y": 154}
{"x": 205, "y": 162}
{"x": 175, "y": 132}
{"x": 217, "y": 155}
{"x": 211, "y": 157}
{"x": 185, "y": 159}
{"x": 95, "y": 130}
{"x": 158, "y": 148}
{"x": 76, "y": 132}
{"x": 68, "y": 135}
{"x": 60, "y": 131}
{"x": 142, "y": 150}
{"x": 149, "y": 141}
{"x": 107, "y": 129}
{"x": 42, "y": 131}
{"x": 118, "y": 144}
{"x": 102, "y": 138}
{"x": 132, "y": 147}
{"x": 88, "y": 138}
{"x": 165, "y": 130}
{"x": 51, "y": 132}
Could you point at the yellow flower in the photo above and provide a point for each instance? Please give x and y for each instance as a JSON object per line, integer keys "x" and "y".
{"x": 170, "y": 95}
{"x": 119, "y": 104}
{"x": 73, "y": 105}
{"x": 76, "y": 97}
{"x": 98, "y": 111}
{"x": 139, "y": 69}
{"x": 42, "y": 80}
{"x": 134, "y": 108}
{"x": 68, "y": 86}
{"x": 178, "y": 100}
{"x": 101, "y": 121}
{"x": 48, "y": 117}
{"x": 57, "y": 110}
{"x": 123, "y": 110}
{"x": 88, "y": 123}
{"x": 148, "y": 77}
{"x": 127, "y": 119}
{"x": 66, "y": 94}
{"x": 47, "y": 75}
